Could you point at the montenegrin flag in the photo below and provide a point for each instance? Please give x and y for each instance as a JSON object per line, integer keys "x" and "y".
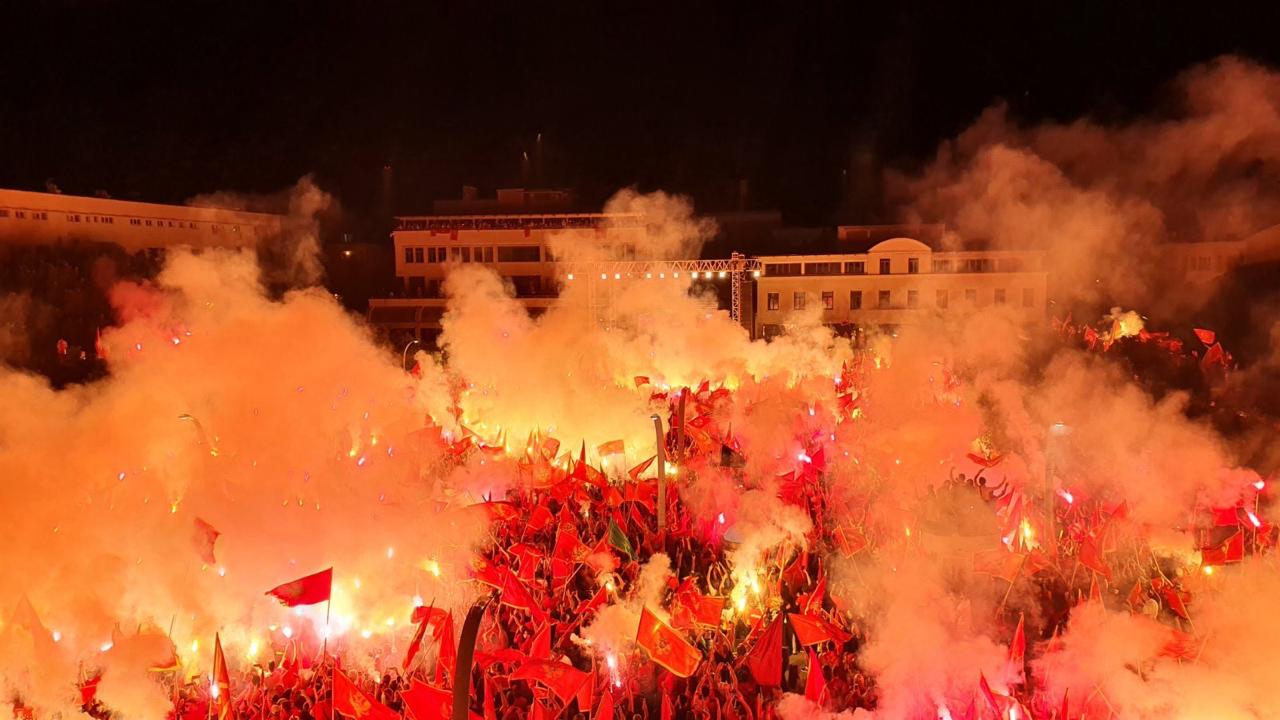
{"x": 666, "y": 646}
{"x": 352, "y": 702}
{"x": 221, "y": 689}
{"x": 309, "y": 590}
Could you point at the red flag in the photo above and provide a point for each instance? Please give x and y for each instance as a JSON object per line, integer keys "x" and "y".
{"x": 424, "y": 703}
{"x": 668, "y": 712}
{"x": 309, "y": 590}
{"x": 204, "y": 538}
{"x": 812, "y": 602}
{"x": 986, "y": 462}
{"x": 1091, "y": 558}
{"x": 1208, "y": 337}
{"x": 89, "y": 690}
{"x": 447, "y": 659}
{"x": 563, "y": 680}
{"x": 635, "y": 472}
{"x": 641, "y": 380}
{"x": 850, "y": 540}
{"x": 590, "y": 606}
{"x": 539, "y": 518}
{"x": 569, "y": 547}
{"x": 540, "y": 646}
{"x": 352, "y": 702}
{"x": 1177, "y": 601}
{"x": 990, "y": 696}
{"x": 795, "y": 575}
{"x": 1062, "y": 714}
{"x": 765, "y": 659}
{"x": 221, "y": 689}
{"x": 1230, "y": 550}
{"x": 423, "y": 616}
{"x": 665, "y": 646}
{"x": 613, "y": 447}
{"x": 1212, "y": 356}
{"x": 691, "y": 608}
{"x": 490, "y": 711}
{"x": 1095, "y": 594}
{"x": 813, "y": 629}
{"x": 1137, "y": 596}
{"x": 1226, "y": 517}
{"x": 816, "y": 686}
{"x": 604, "y": 711}
{"x": 1018, "y": 648}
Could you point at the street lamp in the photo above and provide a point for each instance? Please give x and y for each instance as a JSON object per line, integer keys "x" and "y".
{"x": 404, "y": 356}
{"x": 1056, "y": 430}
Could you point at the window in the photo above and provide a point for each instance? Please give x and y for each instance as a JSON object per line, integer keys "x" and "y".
{"x": 913, "y": 298}
{"x": 797, "y": 301}
{"x": 782, "y": 269}
{"x": 408, "y": 255}
{"x": 913, "y": 265}
{"x": 1010, "y": 264}
{"x": 942, "y": 299}
{"x": 19, "y": 214}
{"x": 519, "y": 253}
{"x": 822, "y": 268}
{"x": 942, "y": 266}
{"x": 885, "y": 298}
{"x": 215, "y": 227}
{"x": 478, "y": 254}
{"x": 855, "y": 268}
{"x": 418, "y": 254}
{"x": 431, "y": 255}
{"x": 971, "y": 296}
{"x": 773, "y": 301}
{"x": 1028, "y": 297}
{"x": 855, "y": 299}
{"x": 977, "y": 265}
{"x": 999, "y": 296}
{"x": 884, "y": 266}
{"x": 828, "y": 300}
{"x": 135, "y": 221}
{"x": 40, "y": 216}
{"x": 73, "y": 218}
{"x": 4, "y": 213}
{"x": 488, "y": 254}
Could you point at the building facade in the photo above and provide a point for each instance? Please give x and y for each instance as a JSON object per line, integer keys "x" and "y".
{"x": 31, "y": 218}
{"x": 515, "y": 246}
{"x": 894, "y": 282}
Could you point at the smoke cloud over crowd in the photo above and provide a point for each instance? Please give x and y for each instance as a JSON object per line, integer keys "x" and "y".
{"x": 280, "y": 423}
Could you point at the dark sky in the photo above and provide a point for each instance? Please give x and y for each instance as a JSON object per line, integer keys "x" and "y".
{"x": 161, "y": 101}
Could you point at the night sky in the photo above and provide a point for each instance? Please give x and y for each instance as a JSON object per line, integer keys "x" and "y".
{"x": 161, "y": 101}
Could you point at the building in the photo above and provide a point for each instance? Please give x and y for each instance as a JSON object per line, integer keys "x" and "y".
{"x": 32, "y": 218}
{"x": 512, "y": 236}
{"x": 882, "y": 278}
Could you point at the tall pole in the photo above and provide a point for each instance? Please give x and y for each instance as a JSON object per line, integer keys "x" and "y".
{"x": 462, "y": 665}
{"x": 404, "y": 356}
{"x": 662, "y": 473}
{"x": 684, "y": 393}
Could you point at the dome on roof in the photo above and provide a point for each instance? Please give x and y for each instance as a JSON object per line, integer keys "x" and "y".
{"x": 899, "y": 244}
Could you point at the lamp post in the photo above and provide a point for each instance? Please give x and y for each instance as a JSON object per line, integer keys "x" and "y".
{"x": 404, "y": 356}
{"x": 1056, "y": 430}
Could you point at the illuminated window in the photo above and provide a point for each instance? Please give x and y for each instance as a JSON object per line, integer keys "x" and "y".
{"x": 942, "y": 266}
{"x": 772, "y": 299}
{"x": 828, "y": 301}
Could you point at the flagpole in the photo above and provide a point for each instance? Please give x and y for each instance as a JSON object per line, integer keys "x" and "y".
{"x": 662, "y": 475}
{"x": 324, "y": 651}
